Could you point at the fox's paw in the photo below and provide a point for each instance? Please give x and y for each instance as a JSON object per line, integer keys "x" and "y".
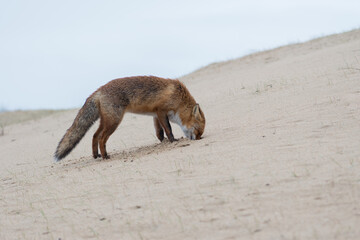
{"x": 96, "y": 156}
{"x": 160, "y": 135}
{"x": 161, "y": 138}
{"x": 106, "y": 157}
{"x": 173, "y": 140}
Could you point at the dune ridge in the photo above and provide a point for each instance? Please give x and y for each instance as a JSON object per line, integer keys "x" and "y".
{"x": 280, "y": 159}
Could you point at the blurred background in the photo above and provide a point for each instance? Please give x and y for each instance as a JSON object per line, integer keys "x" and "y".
{"x": 54, "y": 54}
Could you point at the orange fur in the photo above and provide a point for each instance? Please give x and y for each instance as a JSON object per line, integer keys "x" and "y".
{"x": 165, "y": 99}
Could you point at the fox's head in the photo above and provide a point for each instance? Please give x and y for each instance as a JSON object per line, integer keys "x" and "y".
{"x": 196, "y": 124}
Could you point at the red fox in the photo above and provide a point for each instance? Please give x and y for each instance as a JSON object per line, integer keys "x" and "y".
{"x": 164, "y": 99}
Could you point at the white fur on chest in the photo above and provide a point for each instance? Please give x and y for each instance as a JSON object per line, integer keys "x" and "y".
{"x": 175, "y": 118}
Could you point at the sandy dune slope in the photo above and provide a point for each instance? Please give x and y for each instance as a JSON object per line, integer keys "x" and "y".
{"x": 280, "y": 159}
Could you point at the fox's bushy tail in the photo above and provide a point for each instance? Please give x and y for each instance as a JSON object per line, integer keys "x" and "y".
{"x": 85, "y": 118}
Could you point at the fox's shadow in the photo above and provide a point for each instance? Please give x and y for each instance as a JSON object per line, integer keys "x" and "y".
{"x": 129, "y": 155}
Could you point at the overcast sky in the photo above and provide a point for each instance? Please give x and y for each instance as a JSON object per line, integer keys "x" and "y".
{"x": 54, "y": 54}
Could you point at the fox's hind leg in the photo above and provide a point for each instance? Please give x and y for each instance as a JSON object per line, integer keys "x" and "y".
{"x": 95, "y": 141}
{"x": 158, "y": 129}
{"x": 112, "y": 117}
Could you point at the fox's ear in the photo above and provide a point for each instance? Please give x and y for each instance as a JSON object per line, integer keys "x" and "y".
{"x": 196, "y": 112}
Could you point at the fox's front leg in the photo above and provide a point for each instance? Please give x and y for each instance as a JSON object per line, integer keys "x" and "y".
{"x": 165, "y": 124}
{"x": 158, "y": 129}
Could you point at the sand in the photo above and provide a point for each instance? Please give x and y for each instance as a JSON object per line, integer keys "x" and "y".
{"x": 280, "y": 159}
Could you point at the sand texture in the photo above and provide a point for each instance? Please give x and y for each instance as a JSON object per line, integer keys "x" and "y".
{"x": 280, "y": 159}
